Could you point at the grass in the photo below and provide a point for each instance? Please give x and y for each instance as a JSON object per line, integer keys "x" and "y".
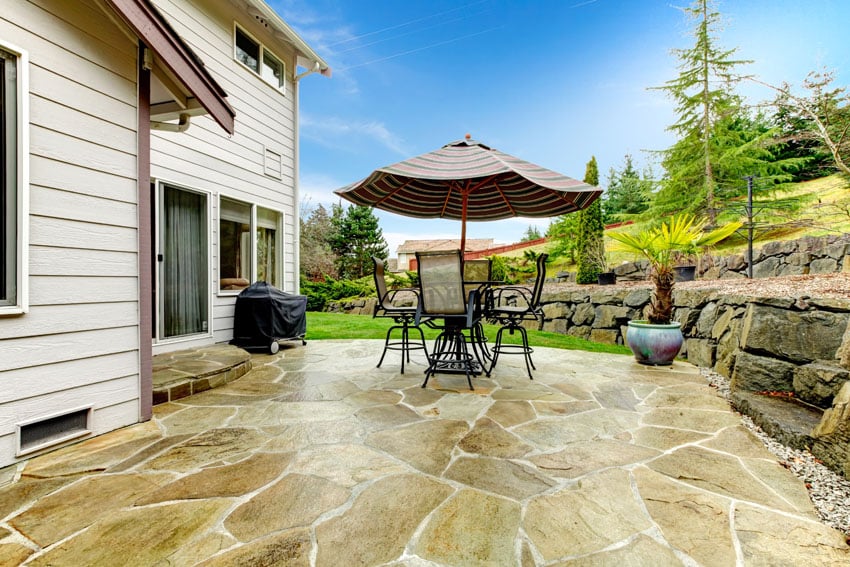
{"x": 341, "y": 326}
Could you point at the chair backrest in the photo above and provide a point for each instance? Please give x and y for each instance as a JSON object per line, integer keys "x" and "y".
{"x": 380, "y": 282}
{"x": 539, "y": 281}
{"x": 477, "y": 270}
{"x": 441, "y": 282}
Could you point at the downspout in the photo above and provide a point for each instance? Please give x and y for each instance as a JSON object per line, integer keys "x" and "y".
{"x": 181, "y": 126}
{"x": 296, "y": 276}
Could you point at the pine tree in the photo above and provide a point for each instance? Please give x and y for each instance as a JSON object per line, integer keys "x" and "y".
{"x": 628, "y": 193}
{"x": 591, "y": 229}
{"x": 317, "y": 257}
{"x": 357, "y": 238}
{"x": 704, "y": 97}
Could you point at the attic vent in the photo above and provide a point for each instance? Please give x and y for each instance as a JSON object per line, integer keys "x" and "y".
{"x": 53, "y": 430}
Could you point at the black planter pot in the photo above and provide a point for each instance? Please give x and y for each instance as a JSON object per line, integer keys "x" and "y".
{"x": 606, "y": 278}
{"x": 685, "y": 273}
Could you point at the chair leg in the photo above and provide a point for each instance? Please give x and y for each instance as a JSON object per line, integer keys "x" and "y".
{"x": 404, "y": 345}
{"x": 524, "y": 349}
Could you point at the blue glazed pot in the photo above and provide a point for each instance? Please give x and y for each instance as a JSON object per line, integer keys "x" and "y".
{"x": 654, "y": 344}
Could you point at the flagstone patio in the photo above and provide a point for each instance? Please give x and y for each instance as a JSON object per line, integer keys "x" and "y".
{"x": 316, "y": 457}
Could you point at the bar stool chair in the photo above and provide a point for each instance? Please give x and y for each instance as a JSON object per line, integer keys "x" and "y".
{"x": 510, "y": 306}
{"x": 404, "y": 317}
{"x": 442, "y": 297}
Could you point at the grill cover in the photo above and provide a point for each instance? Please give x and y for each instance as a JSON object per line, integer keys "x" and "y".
{"x": 265, "y": 314}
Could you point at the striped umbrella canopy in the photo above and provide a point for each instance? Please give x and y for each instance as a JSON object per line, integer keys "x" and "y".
{"x": 467, "y": 180}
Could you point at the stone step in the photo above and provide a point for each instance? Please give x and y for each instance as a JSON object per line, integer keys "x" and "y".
{"x": 182, "y": 373}
{"x": 787, "y": 420}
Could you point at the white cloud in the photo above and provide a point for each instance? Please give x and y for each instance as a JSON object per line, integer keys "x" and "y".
{"x": 349, "y": 135}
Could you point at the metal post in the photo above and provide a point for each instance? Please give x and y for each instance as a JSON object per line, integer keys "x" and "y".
{"x": 750, "y": 226}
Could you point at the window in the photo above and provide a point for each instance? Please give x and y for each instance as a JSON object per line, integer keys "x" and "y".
{"x": 253, "y": 55}
{"x": 236, "y": 261}
{"x": 13, "y": 152}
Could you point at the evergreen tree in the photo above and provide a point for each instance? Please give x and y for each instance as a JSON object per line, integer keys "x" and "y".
{"x": 317, "y": 257}
{"x": 532, "y": 233}
{"x": 356, "y": 239}
{"x": 704, "y": 97}
{"x": 628, "y": 193}
{"x": 590, "y": 232}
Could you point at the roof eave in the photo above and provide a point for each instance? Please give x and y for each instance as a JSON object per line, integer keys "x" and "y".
{"x": 308, "y": 58}
{"x": 151, "y": 28}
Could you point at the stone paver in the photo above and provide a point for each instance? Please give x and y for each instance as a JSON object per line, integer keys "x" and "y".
{"x": 315, "y": 457}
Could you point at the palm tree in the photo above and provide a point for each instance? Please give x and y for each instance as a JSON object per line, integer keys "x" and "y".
{"x": 662, "y": 246}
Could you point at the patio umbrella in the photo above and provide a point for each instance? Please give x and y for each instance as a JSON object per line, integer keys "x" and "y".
{"x": 467, "y": 180}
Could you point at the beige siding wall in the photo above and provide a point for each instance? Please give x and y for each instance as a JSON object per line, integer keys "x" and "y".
{"x": 77, "y": 345}
{"x": 206, "y": 159}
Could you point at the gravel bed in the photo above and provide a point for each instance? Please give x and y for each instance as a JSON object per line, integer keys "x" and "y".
{"x": 829, "y": 491}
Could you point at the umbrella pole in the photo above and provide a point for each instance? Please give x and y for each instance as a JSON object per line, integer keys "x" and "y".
{"x": 463, "y": 227}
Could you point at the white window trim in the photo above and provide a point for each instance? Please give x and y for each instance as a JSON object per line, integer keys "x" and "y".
{"x": 259, "y": 74}
{"x": 254, "y": 224}
{"x": 158, "y": 338}
{"x": 23, "y": 183}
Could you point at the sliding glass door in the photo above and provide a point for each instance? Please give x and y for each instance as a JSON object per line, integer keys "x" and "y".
{"x": 183, "y": 263}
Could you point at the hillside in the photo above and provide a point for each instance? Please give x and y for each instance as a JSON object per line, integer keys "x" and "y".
{"x": 824, "y": 209}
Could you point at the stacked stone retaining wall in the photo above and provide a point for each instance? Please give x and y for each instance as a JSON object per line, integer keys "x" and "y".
{"x": 808, "y": 255}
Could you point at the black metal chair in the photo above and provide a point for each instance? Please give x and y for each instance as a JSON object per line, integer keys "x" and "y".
{"x": 477, "y": 274}
{"x": 404, "y": 317}
{"x": 442, "y": 297}
{"x": 511, "y": 306}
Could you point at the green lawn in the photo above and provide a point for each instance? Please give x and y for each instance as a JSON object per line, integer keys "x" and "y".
{"x": 341, "y": 326}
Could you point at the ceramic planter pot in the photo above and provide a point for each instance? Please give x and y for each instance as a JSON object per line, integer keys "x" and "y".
{"x": 654, "y": 344}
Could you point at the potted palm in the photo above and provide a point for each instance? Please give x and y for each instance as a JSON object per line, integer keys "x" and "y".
{"x": 658, "y": 339}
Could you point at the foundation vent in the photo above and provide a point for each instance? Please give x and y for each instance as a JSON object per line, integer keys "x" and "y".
{"x": 53, "y": 430}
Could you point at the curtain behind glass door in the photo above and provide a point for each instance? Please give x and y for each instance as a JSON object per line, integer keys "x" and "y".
{"x": 185, "y": 272}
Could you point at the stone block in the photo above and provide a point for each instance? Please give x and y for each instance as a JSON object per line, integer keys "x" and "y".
{"x": 736, "y": 262}
{"x": 687, "y": 317}
{"x": 800, "y": 337}
{"x": 725, "y": 315}
{"x": 762, "y": 373}
{"x": 584, "y": 314}
{"x": 818, "y": 382}
{"x": 701, "y": 352}
{"x": 706, "y": 320}
{"x": 557, "y": 311}
{"x": 792, "y": 270}
{"x": 823, "y": 266}
{"x": 607, "y": 316}
{"x": 579, "y": 331}
{"x": 843, "y": 352}
{"x": 693, "y": 298}
{"x": 767, "y": 268}
{"x": 607, "y": 297}
{"x": 637, "y": 297}
{"x": 607, "y": 336}
{"x": 556, "y": 326}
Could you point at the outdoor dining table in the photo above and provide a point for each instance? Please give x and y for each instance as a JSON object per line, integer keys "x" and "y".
{"x": 475, "y": 337}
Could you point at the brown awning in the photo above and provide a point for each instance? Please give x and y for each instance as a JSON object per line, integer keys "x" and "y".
{"x": 177, "y": 59}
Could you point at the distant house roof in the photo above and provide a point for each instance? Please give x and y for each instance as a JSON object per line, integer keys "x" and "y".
{"x": 472, "y": 245}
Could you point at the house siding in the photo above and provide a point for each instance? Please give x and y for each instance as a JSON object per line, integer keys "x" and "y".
{"x": 205, "y": 159}
{"x": 78, "y": 343}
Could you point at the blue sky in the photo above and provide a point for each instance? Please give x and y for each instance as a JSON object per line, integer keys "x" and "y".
{"x": 552, "y": 82}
